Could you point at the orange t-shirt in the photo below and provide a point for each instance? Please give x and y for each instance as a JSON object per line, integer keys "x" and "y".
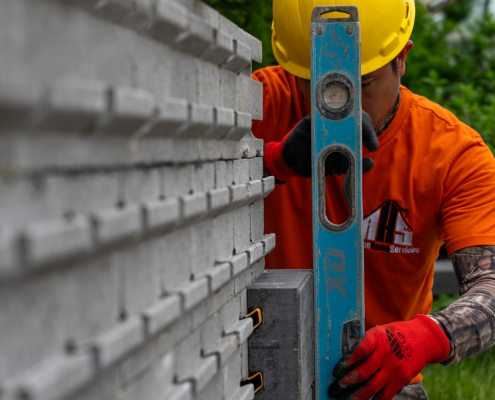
{"x": 433, "y": 182}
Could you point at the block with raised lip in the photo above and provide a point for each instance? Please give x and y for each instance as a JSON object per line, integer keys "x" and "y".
{"x": 161, "y": 214}
{"x": 120, "y": 341}
{"x": 170, "y": 19}
{"x": 117, "y": 223}
{"x": 51, "y": 240}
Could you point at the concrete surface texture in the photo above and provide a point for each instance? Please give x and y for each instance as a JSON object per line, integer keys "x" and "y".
{"x": 131, "y": 200}
{"x": 283, "y": 346}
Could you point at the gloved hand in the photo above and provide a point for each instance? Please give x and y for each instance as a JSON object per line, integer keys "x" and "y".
{"x": 387, "y": 358}
{"x": 292, "y": 156}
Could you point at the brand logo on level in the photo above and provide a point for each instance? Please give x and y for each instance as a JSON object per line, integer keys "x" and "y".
{"x": 386, "y": 229}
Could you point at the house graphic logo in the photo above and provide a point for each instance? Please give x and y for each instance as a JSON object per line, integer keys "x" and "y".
{"x": 386, "y": 229}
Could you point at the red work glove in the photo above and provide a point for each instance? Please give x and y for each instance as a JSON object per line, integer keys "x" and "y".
{"x": 387, "y": 358}
{"x": 292, "y": 156}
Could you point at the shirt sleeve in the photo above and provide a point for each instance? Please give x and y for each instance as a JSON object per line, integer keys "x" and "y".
{"x": 468, "y": 203}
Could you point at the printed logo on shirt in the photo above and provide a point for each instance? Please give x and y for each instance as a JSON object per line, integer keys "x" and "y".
{"x": 386, "y": 229}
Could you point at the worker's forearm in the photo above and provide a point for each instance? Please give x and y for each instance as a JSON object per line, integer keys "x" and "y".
{"x": 469, "y": 322}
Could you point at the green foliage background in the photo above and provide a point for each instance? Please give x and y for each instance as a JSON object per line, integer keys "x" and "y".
{"x": 452, "y": 63}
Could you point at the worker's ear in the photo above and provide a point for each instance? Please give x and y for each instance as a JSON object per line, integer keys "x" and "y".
{"x": 402, "y": 57}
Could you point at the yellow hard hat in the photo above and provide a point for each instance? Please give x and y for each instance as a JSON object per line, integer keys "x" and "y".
{"x": 386, "y": 26}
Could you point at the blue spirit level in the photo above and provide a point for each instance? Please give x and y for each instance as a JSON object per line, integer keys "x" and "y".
{"x": 338, "y": 249}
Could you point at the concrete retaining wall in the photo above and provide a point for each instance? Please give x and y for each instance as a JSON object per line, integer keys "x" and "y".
{"x": 131, "y": 200}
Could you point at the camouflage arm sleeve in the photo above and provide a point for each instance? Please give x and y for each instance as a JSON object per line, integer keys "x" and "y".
{"x": 469, "y": 322}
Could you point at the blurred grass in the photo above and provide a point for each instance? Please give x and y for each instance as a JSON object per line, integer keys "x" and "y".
{"x": 472, "y": 379}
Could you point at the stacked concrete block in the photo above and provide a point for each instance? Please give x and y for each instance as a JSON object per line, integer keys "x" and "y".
{"x": 131, "y": 200}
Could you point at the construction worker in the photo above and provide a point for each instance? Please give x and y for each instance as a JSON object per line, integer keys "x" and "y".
{"x": 433, "y": 182}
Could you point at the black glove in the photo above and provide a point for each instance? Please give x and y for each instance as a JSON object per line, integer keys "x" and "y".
{"x": 292, "y": 156}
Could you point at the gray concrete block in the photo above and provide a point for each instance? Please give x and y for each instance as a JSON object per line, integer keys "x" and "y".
{"x": 208, "y": 83}
{"x": 203, "y": 177}
{"x": 193, "y": 292}
{"x": 201, "y": 118}
{"x": 153, "y": 351}
{"x": 218, "y": 275}
{"x": 228, "y": 89}
{"x": 183, "y": 391}
{"x": 224, "y": 348}
{"x": 269, "y": 241}
{"x": 223, "y": 174}
{"x": 113, "y": 10}
{"x": 200, "y": 313}
{"x": 282, "y": 347}
{"x": 202, "y": 247}
{"x": 207, "y": 14}
{"x": 104, "y": 386}
{"x": 244, "y": 393}
{"x": 231, "y": 313}
{"x": 256, "y": 252}
{"x": 79, "y": 194}
{"x": 224, "y": 122}
{"x": 243, "y": 280}
{"x": 162, "y": 314}
{"x": 176, "y": 181}
{"x": 444, "y": 280}
{"x": 156, "y": 379}
{"x": 250, "y": 147}
{"x": 194, "y": 206}
{"x": 176, "y": 259}
{"x": 223, "y": 234}
{"x": 242, "y": 329}
{"x": 138, "y": 186}
{"x": 220, "y": 50}
{"x": 241, "y": 171}
{"x": 190, "y": 366}
{"x": 117, "y": 343}
{"x": 129, "y": 110}
{"x": 196, "y": 39}
{"x": 56, "y": 378}
{"x": 45, "y": 242}
{"x": 257, "y": 221}
{"x": 214, "y": 390}
{"x": 170, "y": 20}
{"x": 240, "y": 58}
{"x": 256, "y": 48}
{"x": 250, "y": 97}
{"x": 257, "y": 269}
{"x": 232, "y": 376}
{"x": 211, "y": 332}
{"x": 10, "y": 255}
{"x": 232, "y": 29}
{"x": 256, "y": 168}
{"x": 240, "y": 263}
{"x": 243, "y": 299}
{"x": 223, "y": 295}
{"x": 161, "y": 214}
{"x": 17, "y": 99}
{"x": 242, "y": 229}
{"x": 238, "y": 195}
{"x": 268, "y": 185}
{"x": 117, "y": 223}
{"x": 255, "y": 191}
{"x": 139, "y": 267}
{"x": 140, "y": 16}
{"x": 242, "y": 125}
{"x": 244, "y": 361}
{"x": 172, "y": 114}
{"x": 72, "y": 104}
{"x": 219, "y": 199}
